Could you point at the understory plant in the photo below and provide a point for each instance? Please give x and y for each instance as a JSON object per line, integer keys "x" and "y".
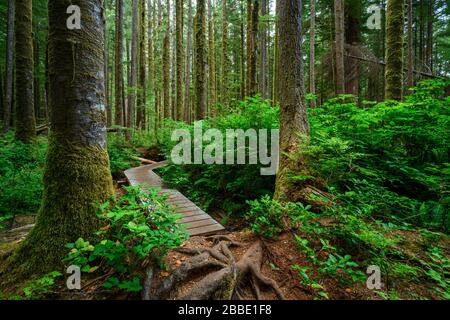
{"x": 138, "y": 229}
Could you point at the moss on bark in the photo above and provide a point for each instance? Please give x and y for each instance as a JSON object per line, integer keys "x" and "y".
{"x": 395, "y": 18}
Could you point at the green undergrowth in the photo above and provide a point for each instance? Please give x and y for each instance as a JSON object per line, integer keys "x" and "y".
{"x": 136, "y": 232}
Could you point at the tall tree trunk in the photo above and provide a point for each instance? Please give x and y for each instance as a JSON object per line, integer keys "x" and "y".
{"x": 312, "y": 51}
{"x": 252, "y": 46}
{"x": 180, "y": 59}
{"x": 77, "y": 174}
{"x": 151, "y": 58}
{"x": 106, "y": 72}
{"x": 166, "y": 67}
{"x": 243, "y": 55}
{"x": 293, "y": 114}
{"x": 119, "y": 65}
{"x": 263, "y": 53}
{"x": 142, "y": 92}
{"x": 24, "y": 97}
{"x": 211, "y": 60}
{"x": 410, "y": 45}
{"x": 430, "y": 18}
{"x": 200, "y": 61}
{"x": 275, "y": 82}
{"x": 187, "y": 91}
{"x": 394, "y": 50}
{"x": 134, "y": 62}
{"x": 37, "y": 85}
{"x": 225, "y": 61}
{"x": 9, "y": 67}
{"x": 353, "y": 38}
{"x": 339, "y": 46}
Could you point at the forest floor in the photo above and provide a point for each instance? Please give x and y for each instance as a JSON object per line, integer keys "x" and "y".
{"x": 280, "y": 254}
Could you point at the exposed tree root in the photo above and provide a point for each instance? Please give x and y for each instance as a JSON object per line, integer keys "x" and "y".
{"x": 225, "y": 278}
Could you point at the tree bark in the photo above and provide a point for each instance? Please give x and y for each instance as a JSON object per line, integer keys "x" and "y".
{"x": 187, "y": 91}
{"x": 119, "y": 65}
{"x": 166, "y": 67}
{"x": 252, "y": 46}
{"x": 339, "y": 46}
{"x": 312, "y": 51}
{"x": 180, "y": 60}
{"x": 9, "y": 67}
{"x": 142, "y": 92}
{"x": 24, "y": 96}
{"x": 212, "y": 97}
{"x": 77, "y": 174}
{"x": 394, "y": 50}
{"x": 293, "y": 114}
{"x": 133, "y": 72}
{"x": 410, "y": 45}
{"x": 200, "y": 61}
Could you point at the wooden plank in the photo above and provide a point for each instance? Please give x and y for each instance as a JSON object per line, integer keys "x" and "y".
{"x": 201, "y": 223}
{"x": 195, "y": 219}
{"x": 205, "y": 230}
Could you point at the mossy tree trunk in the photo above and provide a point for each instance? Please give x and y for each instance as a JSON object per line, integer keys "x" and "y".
{"x": 9, "y": 78}
{"x": 395, "y": 19}
{"x": 200, "y": 61}
{"x": 119, "y": 105}
{"x": 212, "y": 97}
{"x": 24, "y": 61}
{"x": 77, "y": 174}
{"x": 180, "y": 60}
{"x": 293, "y": 114}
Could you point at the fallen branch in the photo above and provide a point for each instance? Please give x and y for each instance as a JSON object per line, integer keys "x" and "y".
{"x": 142, "y": 160}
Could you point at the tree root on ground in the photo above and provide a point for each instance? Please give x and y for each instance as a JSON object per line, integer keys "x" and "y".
{"x": 225, "y": 278}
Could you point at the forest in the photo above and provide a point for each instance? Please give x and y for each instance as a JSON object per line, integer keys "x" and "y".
{"x": 225, "y": 150}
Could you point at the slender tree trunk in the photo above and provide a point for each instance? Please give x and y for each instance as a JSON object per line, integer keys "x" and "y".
{"x": 25, "y": 118}
{"x": 134, "y": 62}
{"x": 180, "y": 59}
{"x": 263, "y": 53}
{"x": 243, "y": 59}
{"x": 9, "y": 67}
{"x": 312, "y": 51}
{"x": 200, "y": 61}
{"x": 430, "y": 17}
{"x": 275, "y": 59}
{"x": 394, "y": 50}
{"x": 77, "y": 174}
{"x": 119, "y": 64}
{"x": 225, "y": 60}
{"x": 187, "y": 91}
{"x": 211, "y": 60}
{"x": 252, "y": 46}
{"x": 166, "y": 67}
{"x": 410, "y": 45}
{"x": 142, "y": 92}
{"x": 293, "y": 114}
{"x": 353, "y": 38}
{"x": 37, "y": 84}
{"x": 339, "y": 46}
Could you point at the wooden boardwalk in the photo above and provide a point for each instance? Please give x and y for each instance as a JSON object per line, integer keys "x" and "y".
{"x": 195, "y": 219}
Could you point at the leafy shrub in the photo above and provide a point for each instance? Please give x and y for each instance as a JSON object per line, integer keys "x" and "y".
{"x": 226, "y": 187}
{"x": 134, "y": 229}
{"x": 21, "y": 170}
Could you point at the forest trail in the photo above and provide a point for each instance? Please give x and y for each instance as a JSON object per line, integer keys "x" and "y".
{"x": 197, "y": 221}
